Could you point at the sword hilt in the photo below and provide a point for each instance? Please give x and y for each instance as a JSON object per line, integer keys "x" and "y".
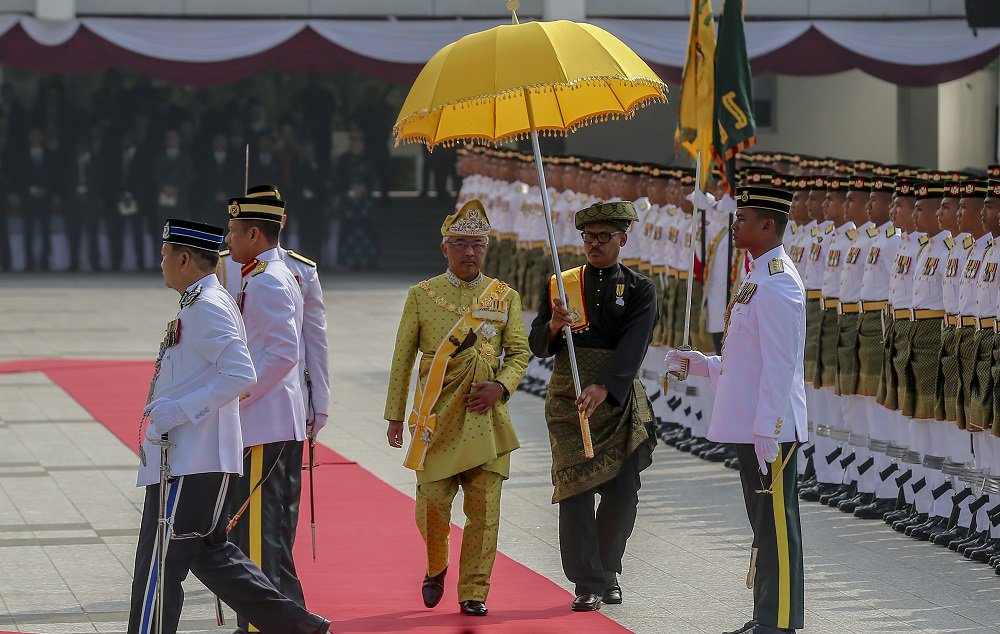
{"x": 681, "y": 374}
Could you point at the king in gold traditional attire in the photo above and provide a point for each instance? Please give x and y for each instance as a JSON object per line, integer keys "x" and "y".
{"x": 474, "y": 352}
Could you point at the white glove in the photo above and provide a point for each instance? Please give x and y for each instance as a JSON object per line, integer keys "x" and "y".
{"x": 697, "y": 362}
{"x": 701, "y": 200}
{"x": 727, "y": 204}
{"x": 316, "y": 424}
{"x": 164, "y": 415}
{"x": 766, "y": 449}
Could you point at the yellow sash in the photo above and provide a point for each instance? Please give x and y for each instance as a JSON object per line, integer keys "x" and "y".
{"x": 422, "y": 419}
{"x": 575, "y": 299}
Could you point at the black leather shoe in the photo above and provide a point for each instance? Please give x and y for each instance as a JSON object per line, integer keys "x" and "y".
{"x": 433, "y": 588}
{"x": 945, "y": 538}
{"x": 876, "y": 510}
{"x": 313, "y": 624}
{"x": 747, "y": 627}
{"x": 612, "y": 596}
{"x": 859, "y": 500}
{"x": 913, "y": 519}
{"x": 814, "y": 494}
{"x": 933, "y": 527}
{"x": 902, "y": 512}
{"x": 846, "y": 493}
{"x": 979, "y": 542}
{"x": 720, "y": 453}
{"x": 587, "y": 603}
{"x": 732, "y": 463}
{"x": 474, "y": 608}
{"x": 958, "y": 543}
{"x": 985, "y": 553}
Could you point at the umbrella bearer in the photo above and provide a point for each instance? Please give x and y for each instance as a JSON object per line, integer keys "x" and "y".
{"x": 613, "y": 312}
{"x": 462, "y": 322}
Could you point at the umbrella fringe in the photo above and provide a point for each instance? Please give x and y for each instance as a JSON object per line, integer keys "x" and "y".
{"x": 520, "y": 135}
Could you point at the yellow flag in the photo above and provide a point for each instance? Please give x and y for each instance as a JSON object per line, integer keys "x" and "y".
{"x": 695, "y": 123}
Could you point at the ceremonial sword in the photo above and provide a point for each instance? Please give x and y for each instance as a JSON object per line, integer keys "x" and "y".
{"x": 682, "y": 374}
{"x": 312, "y": 463}
{"x": 162, "y": 529}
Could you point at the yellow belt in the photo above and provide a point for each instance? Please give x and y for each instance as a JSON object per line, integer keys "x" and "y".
{"x": 534, "y": 244}
{"x": 631, "y": 262}
{"x": 660, "y": 268}
{"x": 829, "y": 303}
{"x": 507, "y": 236}
{"x": 681, "y": 275}
{"x": 874, "y": 306}
{"x": 969, "y": 322}
{"x": 951, "y": 320}
{"x": 916, "y": 315}
{"x": 849, "y": 308}
{"x": 815, "y": 294}
{"x": 987, "y": 322}
{"x": 646, "y": 267}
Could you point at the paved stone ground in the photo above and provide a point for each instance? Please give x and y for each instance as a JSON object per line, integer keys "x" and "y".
{"x": 69, "y": 510}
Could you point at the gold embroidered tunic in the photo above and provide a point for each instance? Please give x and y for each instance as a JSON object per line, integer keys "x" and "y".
{"x": 462, "y": 439}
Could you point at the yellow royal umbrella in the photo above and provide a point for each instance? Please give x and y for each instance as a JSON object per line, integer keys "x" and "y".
{"x": 511, "y": 81}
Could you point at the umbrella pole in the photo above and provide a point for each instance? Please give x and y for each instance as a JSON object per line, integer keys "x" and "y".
{"x": 588, "y": 446}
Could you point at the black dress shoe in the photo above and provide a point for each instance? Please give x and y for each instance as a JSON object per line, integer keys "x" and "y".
{"x": 958, "y": 543}
{"x": 433, "y": 588}
{"x": 933, "y": 527}
{"x": 720, "y": 453}
{"x": 747, "y": 627}
{"x": 876, "y": 510}
{"x": 313, "y": 624}
{"x": 587, "y": 603}
{"x": 846, "y": 492}
{"x": 904, "y": 511}
{"x": 913, "y": 518}
{"x": 474, "y": 608}
{"x": 732, "y": 463}
{"x": 985, "y": 553}
{"x": 859, "y": 500}
{"x": 612, "y": 596}
{"x": 943, "y": 539}
{"x": 818, "y": 491}
{"x": 979, "y": 542}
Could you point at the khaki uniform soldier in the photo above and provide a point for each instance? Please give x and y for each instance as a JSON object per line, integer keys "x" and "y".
{"x": 841, "y": 236}
{"x": 872, "y": 325}
{"x": 660, "y": 255}
{"x": 463, "y": 324}
{"x": 857, "y": 459}
{"x": 828, "y": 476}
{"x": 920, "y": 382}
{"x": 613, "y": 314}
{"x": 760, "y": 405}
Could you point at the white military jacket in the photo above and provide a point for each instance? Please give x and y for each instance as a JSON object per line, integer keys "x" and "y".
{"x": 314, "y": 351}
{"x": 759, "y": 377}
{"x": 271, "y": 304}
{"x": 204, "y": 372}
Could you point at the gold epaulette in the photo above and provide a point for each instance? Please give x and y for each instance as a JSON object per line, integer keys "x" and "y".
{"x": 968, "y": 242}
{"x": 815, "y": 231}
{"x": 775, "y": 266}
{"x": 301, "y": 258}
{"x": 852, "y": 234}
{"x": 923, "y": 240}
{"x": 260, "y": 268}
{"x": 949, "y": 242}
{"x": 891, "y": 231}
{"x": 872, "y": 232}
{"x": 829, "y": 229}
{"x": 224, "y": 254}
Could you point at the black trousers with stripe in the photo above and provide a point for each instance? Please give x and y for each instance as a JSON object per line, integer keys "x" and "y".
{"x": 197, "y": 505}
{"x": 778, "y": 589}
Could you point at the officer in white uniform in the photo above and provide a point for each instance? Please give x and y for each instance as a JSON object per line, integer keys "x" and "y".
{"x": 764, "y": 418}
{"x": 203, "y": 367}
{"x": 272, "y": 412}
{"x": 314, "y": 361}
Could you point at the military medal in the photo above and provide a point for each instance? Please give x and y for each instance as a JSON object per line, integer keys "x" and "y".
{"x": 852, "y": 255}
{"x": 971, "y": 269}
{"x": 746, "y": 292}
{"x": 619, "y": 294}
{"x": 873, "y": 255}
{"x": 833, "y": 259}
{"x": 990, "y": 272}
{"x": 930, "y": 266}
{"x": 952, "y": 269}
{"x": 489, "y": 331}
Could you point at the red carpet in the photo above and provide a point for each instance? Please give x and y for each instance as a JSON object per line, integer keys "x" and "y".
{"x": 370, "y": 556}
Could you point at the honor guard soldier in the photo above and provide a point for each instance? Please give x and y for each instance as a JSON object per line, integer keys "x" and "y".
{"x": 859, "y": 461}
{"x": 895, "y": 365}
{"x": 203, "y": 367}
{"x": 765, "y": 418}
{"x": 469, "y": 331}
{"x": 878, "y": 260}
{"x": 272, "y": 412}
{"x": 920, "y": 380}
{"x": 314, "y": 364}
{"x": 612, "y": 311}
{"x": 841, "y": 234}
{"x": 828, "y": 477}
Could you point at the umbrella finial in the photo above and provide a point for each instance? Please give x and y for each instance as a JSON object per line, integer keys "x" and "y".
{"x": 513, "y": 6}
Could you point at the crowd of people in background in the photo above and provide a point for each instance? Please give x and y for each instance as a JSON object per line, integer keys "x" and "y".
{"x": 115, "y": 165}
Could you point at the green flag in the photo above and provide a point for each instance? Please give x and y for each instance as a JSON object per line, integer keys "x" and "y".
{"x": 735, "y": 129}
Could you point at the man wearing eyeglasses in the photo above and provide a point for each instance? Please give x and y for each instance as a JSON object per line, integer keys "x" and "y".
{"x": 474, "y": 352}
{"x": 612, "y": 311}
